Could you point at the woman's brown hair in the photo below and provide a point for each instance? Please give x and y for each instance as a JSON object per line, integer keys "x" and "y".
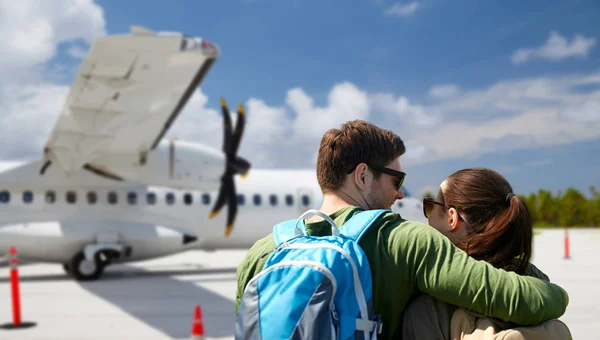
{"x": 498, "y": 223}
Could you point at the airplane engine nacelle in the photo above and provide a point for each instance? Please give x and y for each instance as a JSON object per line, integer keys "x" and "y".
{"x": 172, "y": 163}
{"x": 183, "y": 164}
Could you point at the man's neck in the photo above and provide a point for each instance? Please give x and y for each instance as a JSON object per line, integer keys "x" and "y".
{"x": 332, "y": 202}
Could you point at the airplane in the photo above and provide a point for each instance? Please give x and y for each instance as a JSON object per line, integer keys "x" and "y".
{"x": 110, "y": 189}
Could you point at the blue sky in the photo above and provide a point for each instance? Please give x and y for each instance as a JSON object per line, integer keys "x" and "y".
{"x": 463, "y": 83}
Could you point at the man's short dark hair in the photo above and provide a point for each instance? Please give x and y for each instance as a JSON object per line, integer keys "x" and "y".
{"x": 355, "y": 142}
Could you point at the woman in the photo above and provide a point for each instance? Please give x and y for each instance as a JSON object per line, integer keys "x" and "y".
{"x": 478, "y": 211}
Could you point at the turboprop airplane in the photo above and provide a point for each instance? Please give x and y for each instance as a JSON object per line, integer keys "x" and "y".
{"x": 110, "y": 189}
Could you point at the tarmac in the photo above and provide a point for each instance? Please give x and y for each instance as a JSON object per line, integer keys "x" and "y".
{"x": 156, "y": 299}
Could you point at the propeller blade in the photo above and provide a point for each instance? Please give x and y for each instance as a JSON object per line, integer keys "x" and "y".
{"x": 226, "y": 127}
{"x": 239, "y": 130}
{"x": 232, "y": 208}
{"x": 222, "y": 196}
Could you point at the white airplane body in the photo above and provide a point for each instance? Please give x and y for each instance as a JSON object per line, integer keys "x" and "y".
{"x": 111, "y": 189}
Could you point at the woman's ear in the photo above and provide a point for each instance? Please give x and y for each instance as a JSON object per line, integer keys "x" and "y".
{"x": 454, "y": 221}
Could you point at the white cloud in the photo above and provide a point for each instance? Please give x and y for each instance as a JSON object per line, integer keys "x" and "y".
{"x": 402, "y": 10}
{"x": 400, "y": 108}
{"x": 516, "y": 114}
{"x": 30, "y": 32}
{"x": 587, "y": 111}
{"x": 444, "y": 91}
{"x": 345, "y": 102}
{"x": 28, "y": 115}
{"x": 556, "y": 48}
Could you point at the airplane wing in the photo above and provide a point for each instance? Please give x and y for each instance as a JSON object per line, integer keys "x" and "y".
{"x": 126, "y": 95}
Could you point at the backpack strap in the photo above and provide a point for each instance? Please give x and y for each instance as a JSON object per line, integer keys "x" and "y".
{"x": 284, "y": 231}
{"x": 354, "y": 228}
{"x": 295, "y": 228}
{"x": 358, "y": 224}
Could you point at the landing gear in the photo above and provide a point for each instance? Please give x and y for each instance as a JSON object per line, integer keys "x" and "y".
{"x": 83, "y": 269}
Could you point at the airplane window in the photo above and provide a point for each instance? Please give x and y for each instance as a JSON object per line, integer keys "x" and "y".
{"x": 132, "y": 197}
{"x": 273, "y": 200}
{"x": 187, "y": 198}
{"x": 92, "y": 197}
{"x": 205, "y": 199}
{"x": 289, "y": 200}
{"x": 4, "y": 196}
{"x": 112, "y": 197}
{"x": 27, "y": 196}
{"x": 305, "y": 200}
{"x": 50, "y": 196}
{"x": 257, "y": 199}
{"x": 71, "y": 197}
{"x": 151, "y": 198}
{"x": 240, "y": 199}
{"x": 170, "y": 198}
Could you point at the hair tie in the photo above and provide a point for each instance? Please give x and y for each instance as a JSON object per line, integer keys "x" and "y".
{"x": 508, "y": 198}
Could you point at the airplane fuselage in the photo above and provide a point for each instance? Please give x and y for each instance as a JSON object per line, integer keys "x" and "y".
{"x": 49, "y": 217}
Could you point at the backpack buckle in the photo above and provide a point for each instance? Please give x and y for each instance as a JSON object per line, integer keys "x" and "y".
{"x": 378, "y": 328}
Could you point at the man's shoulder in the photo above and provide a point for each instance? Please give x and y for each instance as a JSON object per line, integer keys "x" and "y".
{"x": 395, "y": 230}
{"x": 264, "y": 244}
{"x": 393, "y": 223}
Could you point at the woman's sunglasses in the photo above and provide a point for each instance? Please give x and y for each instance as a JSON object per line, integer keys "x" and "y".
{"x": 428, "y": 207}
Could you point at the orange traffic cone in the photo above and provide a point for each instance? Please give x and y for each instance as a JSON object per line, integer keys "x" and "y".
{"x": 15, "y": 292}
{"x": 198, "y": 325}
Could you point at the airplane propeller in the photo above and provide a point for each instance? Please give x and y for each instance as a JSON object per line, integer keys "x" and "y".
{"x": 234, "y": 165}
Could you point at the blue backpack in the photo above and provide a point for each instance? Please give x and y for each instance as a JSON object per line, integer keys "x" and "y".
{"x": 312, "y": 287}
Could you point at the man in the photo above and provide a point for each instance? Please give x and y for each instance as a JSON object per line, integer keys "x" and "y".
{"x": 358, "y": 169}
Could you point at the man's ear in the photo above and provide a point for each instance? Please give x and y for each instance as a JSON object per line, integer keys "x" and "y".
{"x": 454, "y": 221}
{"x": 360, "y": 176}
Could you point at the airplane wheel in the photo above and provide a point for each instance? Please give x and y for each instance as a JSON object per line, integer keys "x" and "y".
{"x": 84, "y": 270}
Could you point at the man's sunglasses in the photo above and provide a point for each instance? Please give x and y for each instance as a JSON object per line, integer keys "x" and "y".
{"x": 399, "y": 174}
{"x": 428, "y": 207}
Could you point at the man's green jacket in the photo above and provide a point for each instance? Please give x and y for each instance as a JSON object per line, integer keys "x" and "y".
{"x": 410, "y": 257}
